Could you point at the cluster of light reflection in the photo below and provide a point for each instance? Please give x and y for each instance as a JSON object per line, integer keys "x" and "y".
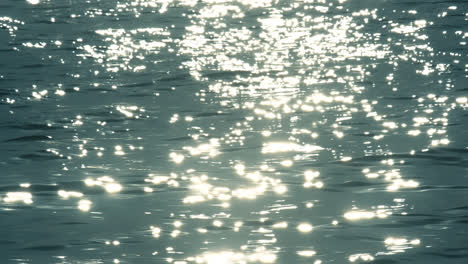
{"x": 290, "y": 54}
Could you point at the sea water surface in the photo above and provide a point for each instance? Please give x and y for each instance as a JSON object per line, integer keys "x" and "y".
{"x": 233, "y": 132}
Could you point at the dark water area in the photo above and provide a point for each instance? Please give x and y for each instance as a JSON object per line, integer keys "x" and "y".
{"x": 232, "y": 132}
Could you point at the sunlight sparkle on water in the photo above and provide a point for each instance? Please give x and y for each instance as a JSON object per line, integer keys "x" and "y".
{"x": 246, "y": 101}
{"x": 33, "y": 2}
{"x": 108, "y": 183}
{"x": 363, "y": 257}
{"x": 306, "y": 253}
{"x": 67, "y": 194}
{"x": 13, "y": 197}
{"x": 84, "y": 205}
{"x": 305, "y": 227}
{"x": 229, "y": 257}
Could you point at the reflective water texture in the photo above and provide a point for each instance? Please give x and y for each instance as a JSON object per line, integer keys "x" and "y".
{"x": 232, "y": 132}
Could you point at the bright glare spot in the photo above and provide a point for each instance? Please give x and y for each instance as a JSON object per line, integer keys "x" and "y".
{"x": 60, "y": 92}
{"x": 415, "y": 132}
{"x": 13, "y": 197}
{"x": 65, "y": 194}
{"x": 281, "y": 225}
{"x": 346, "y": 159}
{"x": 217, "y": 223}
{"x": 25, "y": 185}
{"x": 113, "y": 187}
{"x": 280, "y": 189}
{"x": 392, "y": 241}
{"x": 311, "y": 175}
{"x": 306, "y": 253}
{"x": 119, "y": 151}
{"x": 177, "y": 223}
{"x": 84, "y": 205}
{"x": 359, "y": 215}
{"x": 105, "y": 182}
{"x": 176, "y": 158}
{"x": 364, "y": 257}
{"x": 155, "y": 231}
{"x": 175, "y": 233}
{"x": 304, "y": 227}
{"x": 33, "y": 2}
{"x": 276, "y": 147}
{"x": 229, "y": 257}
{"x": 462, "y": 100}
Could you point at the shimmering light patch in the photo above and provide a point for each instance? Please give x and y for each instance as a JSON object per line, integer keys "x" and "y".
{"x": 126, "y": 49}
{"x": 276, "y": 147}
{"x": 38, "y": 45}
{"x": 40, "y": 94}
{"x": 158, "y": 179}
{"x": 67, "y": 194}
{"x": 414, "y": 132}
{"x": 462, "y": 100}
{"x": 346, "y": 159}
{"x": 119, "y": 151}
{"x": 155, "y": 231}
{"x": 411, "y": 28}
{"x": 176, "y": 158}
{"x": 280, "y": 225}
{"x": 359, "y": 215}
{"x": 361, "y": 257}
{"x": 33, "y": 2}
{"x": 217, "y": 223}
{"x": 177, "y": 224}
{"x": 286, "y": 163}
{"x": 14, "y": 197}
{"x": 228, "y": 257}
{"x": 310, "y": 179}
{"x": 392, "y": 176}
{"x": 113, "y": 187}
{"x": 25, "y": 185}
{"x": 306, "y": 253}
{"x": 174, "y": 118}
{"x": 109, "y": 184}
{"x": 331, "y": 50}
{"x": 399, "y": 245}
{"x": 10, "y": 24}
{"x": 131, "y": 111}
{"x": 210, "y": 149}
{"x": 400, "y": 183}
{"x": 84, "y": 205}
{"x": 175, "y": 233}
{"x": 60, "y": 92}
{"x": 238, "y": 225}
{"x": 304, "y": 227}
{"x": 194, "y": 199}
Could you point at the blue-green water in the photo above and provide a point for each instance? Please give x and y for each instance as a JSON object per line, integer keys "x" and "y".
{"x": 225, "y": 132}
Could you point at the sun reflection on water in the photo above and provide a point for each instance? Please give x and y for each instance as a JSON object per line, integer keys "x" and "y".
{"x": 290, "y": 100}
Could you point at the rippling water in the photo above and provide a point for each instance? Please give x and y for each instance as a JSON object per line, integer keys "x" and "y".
{"x": 232, "y": 132}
